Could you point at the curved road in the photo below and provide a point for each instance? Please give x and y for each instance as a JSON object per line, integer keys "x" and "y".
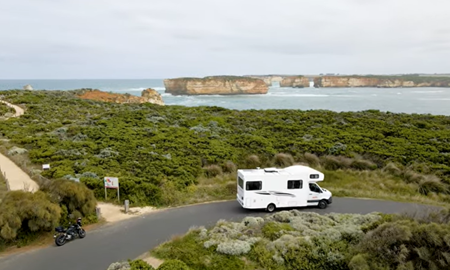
{"x": 129, "y": 239}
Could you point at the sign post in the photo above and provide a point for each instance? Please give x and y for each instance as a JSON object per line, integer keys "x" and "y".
{"x": 112, "y": 182}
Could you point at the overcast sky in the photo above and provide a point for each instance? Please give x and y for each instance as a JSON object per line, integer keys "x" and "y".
{"x": 50, "y": 39}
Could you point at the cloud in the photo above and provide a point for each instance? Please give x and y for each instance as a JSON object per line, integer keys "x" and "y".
{"x": 160, "y": 38}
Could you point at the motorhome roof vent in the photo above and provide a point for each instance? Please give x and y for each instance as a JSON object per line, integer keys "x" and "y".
{"x": 270, "y": 170}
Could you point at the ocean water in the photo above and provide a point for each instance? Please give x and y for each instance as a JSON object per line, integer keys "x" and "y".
{"x": 399, "y": 100}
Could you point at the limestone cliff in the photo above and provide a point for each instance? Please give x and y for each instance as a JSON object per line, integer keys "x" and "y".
{"x": 147, "y": 96}
{"x": 295, "y": 81}
{"x": 381, "y": 81}
{"x": 216, "y": 85}
{"x": 268, "y": 79}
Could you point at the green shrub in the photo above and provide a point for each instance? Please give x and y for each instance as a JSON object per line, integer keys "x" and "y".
{"x": 213, "y": 170}
{"x": 405, "y": 243}
{"x": 4, "y": 109}
{"x": 358, "y": 262}
{"x": 273, "y": 230}
{"x": 140, "y": 265}
{"x": 76, "y": 197}
{"x": 27, "y": 213}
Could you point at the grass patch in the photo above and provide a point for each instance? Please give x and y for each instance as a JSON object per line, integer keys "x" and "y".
{"x": 378, "y": 185}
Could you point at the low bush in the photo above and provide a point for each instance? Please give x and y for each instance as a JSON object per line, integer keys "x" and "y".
{"x": 25, "y": 212}
{"x": 303, "y": 240}
{"x": 140, "y": 265}
{"x": 25, "y": 215}
{"x": 173, "y": 265}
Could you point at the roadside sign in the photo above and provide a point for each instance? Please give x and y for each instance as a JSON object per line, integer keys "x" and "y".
{"x": 112, "y": 182}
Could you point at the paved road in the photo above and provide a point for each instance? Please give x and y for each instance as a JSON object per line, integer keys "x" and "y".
{"x": 130, "y": 238}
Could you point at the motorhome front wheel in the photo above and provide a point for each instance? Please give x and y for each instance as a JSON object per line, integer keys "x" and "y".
{"x": 323, "y": 204}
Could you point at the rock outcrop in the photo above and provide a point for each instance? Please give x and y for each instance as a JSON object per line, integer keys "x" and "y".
{"x": 216, "y": 85}
{"x": 295, "y": 81}
{"x": 147, "y": 96}
{"x": 152, "y": 96}
{"x": 27, "y": 87}
{"x": 381, "y": 81}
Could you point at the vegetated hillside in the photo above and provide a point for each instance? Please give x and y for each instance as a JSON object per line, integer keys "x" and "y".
{"x": 4, "y": 109}
{"x": 164, "y": 153}
{"x": 303, "y": 240}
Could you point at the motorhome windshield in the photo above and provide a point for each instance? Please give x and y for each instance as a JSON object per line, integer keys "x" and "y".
{"x": 315, "y": 188}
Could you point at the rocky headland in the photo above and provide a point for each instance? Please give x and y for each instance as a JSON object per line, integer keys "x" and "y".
{"x": 216, "y": 85}
{"x": 295, "y": 82}
{"x": 147, "y": 96}
{"x": 268, "y": 79}
{"x": 381, "y": 81}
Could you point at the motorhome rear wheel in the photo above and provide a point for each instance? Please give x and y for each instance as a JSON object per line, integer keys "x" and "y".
{"x": 271, "y": 207}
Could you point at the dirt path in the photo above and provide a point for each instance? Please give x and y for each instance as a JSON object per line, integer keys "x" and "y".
{"x": 16, "y": 178}
{"x": 113, "y": 213}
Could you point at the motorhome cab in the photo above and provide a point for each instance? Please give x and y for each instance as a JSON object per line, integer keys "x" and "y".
{"x": 271, "y": 188}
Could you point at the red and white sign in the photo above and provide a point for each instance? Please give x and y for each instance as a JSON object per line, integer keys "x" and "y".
{"x": 111, "y": 182}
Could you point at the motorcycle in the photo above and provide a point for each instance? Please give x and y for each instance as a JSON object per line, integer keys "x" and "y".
{"x": 74, "y": 230}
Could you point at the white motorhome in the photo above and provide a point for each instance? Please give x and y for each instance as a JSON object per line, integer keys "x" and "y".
{"x": 271, "y": 188}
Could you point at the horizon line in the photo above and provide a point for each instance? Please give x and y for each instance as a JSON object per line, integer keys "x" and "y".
{"x": 255, "y": 74}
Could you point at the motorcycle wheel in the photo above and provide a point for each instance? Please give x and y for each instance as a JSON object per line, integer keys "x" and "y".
{"x": 82, "y": 233}
{"x": 60, "y": 240}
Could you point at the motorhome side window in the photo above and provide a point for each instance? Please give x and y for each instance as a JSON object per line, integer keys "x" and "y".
{"x": 295, "y": 184}
{"x": 241, "y": 182}
{"x": 253, "y": 185}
